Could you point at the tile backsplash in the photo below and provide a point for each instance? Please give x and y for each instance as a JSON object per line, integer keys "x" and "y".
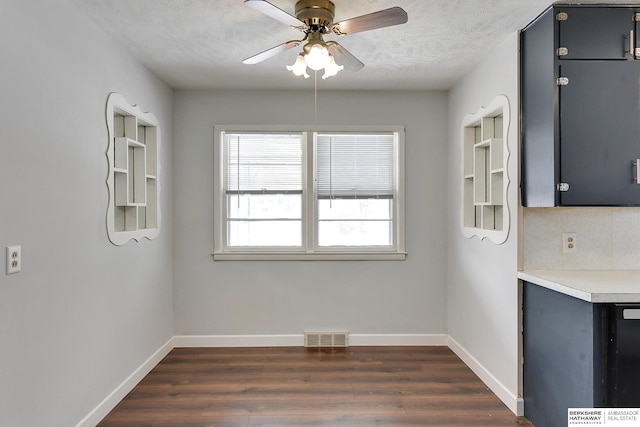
{"x": 607, "y": 238}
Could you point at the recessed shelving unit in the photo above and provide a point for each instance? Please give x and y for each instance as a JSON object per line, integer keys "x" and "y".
{"x": 485, "y": 153}
{"x": 134, "y": 141}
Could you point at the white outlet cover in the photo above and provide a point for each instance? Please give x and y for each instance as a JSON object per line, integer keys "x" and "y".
{"x": 14, "y": 259}
{"x": 569, "y": 242}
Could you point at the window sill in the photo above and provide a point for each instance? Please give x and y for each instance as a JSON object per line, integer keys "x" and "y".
{"x": 302, "y": 256}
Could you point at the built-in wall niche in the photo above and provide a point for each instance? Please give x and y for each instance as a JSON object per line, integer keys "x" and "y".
{"x": 133, "y": 182}
{"x": 485, "y": 211}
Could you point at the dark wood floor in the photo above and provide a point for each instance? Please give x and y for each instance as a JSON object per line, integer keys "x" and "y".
{"x": 294, "y": 386}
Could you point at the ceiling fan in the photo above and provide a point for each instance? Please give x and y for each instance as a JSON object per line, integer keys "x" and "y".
{"x": 315, "y": 19}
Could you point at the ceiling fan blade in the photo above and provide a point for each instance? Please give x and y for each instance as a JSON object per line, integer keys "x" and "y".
{"x": 371, "y": 21}
{"x": 271, "y": 52}
{"x": 343, "y": 57}
{"x": 274, "y": 12}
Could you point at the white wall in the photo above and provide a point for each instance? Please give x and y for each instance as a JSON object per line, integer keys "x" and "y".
{"x": 252, "y": 297}
{"x": 607, "y": 238}
{"x": 83, "y": 313}
{"x": 482, "y": 283}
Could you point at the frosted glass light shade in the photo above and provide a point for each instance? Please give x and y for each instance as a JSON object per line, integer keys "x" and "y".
{"x": 299, "y": 68}
{"x": 332, "y": 68}
{"x": 318, "y": 57}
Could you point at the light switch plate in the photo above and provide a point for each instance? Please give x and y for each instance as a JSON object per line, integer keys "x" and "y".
{"x": 14, "y": 259}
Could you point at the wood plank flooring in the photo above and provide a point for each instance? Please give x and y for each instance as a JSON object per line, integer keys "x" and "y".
{"x": 294, "y": 386}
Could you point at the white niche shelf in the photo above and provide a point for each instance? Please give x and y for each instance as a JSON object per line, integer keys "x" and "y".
{"x": 485, "y": 212}
{"x": 134, "y": 192}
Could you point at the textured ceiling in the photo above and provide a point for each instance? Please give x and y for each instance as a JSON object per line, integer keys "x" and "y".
{"x": 200, "y": 44}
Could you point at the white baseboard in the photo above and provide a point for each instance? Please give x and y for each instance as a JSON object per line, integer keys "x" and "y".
{"x": 298, "y": 340}
{"x": 513, "y": 402}
{"x": 238, "y": 340}
{"x": 104, "y": 407}
{"x": 398, "y": 339}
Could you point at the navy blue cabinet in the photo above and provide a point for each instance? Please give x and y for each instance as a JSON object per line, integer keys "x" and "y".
{"x": 598, "y": 144}
{"x": 595, "y": 32}
{"x": 580, "y": 99}
{"x": 577, "y": 354}
{"x": 564, "y": 355}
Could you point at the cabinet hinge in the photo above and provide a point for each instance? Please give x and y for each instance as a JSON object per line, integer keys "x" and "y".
{"x": 563, "y": 186}
{"x": 562, "y": 81}
{"x": 562, "y": 51}
{"x": 636, "y": 16}
{"x": 562, "y": 16}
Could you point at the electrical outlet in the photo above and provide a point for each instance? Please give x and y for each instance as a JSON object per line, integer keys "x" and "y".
{"x": 569, "y": 242}
{"x": 14, "y": 259}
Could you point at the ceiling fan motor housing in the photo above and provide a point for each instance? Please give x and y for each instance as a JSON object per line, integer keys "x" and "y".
{"x": 316, "y": 13}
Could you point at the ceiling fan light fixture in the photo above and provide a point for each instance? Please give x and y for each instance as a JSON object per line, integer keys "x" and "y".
{"x": 299, "y": 68}
{"x": 315, "y": 19}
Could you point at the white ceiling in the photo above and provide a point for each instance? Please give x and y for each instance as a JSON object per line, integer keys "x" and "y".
{"x": 199, "y": 44}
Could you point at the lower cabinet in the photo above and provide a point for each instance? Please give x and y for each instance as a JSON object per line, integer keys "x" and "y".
{"x": 564, "y": 358}
{"x": 577, "y": 355}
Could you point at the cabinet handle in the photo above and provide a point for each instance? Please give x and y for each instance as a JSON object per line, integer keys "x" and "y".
{"x": 636, "y": 171}
{"x": 632, "y": 42}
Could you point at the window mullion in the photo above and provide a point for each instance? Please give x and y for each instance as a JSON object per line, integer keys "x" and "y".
{"x": 310, "y": 205}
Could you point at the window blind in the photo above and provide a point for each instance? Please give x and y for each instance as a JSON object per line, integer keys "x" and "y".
{"x": 355, "y": 166}
{"x": 263, "y": 163}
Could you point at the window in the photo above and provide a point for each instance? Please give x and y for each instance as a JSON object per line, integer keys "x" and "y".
{"x": 355, "y": 189}
{"x": 303, "y": 194}
{"x": 263, "y": 184}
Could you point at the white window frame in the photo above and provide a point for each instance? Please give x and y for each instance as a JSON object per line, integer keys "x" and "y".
{"x": 309, "y": 249}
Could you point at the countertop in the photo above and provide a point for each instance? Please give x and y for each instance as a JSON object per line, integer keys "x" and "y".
{"x": 596, "y": 286}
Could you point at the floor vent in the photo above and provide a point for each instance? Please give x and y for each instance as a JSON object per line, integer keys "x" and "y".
{"x": 326, "y": 339}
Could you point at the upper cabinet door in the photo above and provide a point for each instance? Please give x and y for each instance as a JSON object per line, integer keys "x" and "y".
{"x": 600, "y": 133}
{"x": 596, "y": 32}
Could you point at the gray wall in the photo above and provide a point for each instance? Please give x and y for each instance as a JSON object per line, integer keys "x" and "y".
{"x": 252, "y": 297}
{"x": 482, "y": 284}
{"x": 83, "y": 314}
